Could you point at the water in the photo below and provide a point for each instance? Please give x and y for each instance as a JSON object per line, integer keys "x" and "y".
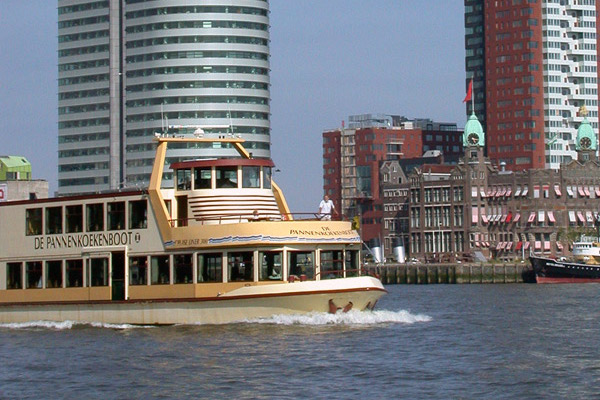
{"x": 435, "y": 342}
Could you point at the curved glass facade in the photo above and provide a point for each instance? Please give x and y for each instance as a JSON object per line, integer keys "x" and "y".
{"x": 127, "y": 66}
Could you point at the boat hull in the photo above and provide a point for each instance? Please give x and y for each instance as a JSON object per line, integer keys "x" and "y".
{"x": 548, "y": 270}
{"x": 244, "y": 304}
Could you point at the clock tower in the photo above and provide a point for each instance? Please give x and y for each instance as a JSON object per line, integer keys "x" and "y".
{"x": 586, "y": 143}
{"x": 473, "y": 138}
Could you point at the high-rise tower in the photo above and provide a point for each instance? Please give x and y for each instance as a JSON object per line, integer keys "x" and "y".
{"x": 129, "y": 67}
{"x": 534, "y": 64}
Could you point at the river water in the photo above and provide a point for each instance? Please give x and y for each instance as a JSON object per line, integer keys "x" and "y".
{"x": 435, "y": 342}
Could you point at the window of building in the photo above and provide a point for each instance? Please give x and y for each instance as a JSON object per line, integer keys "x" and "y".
{"x": 182, "y": 268}
{"x": 74, "y": 270}
{"x": 54, "y": 274}
{"x": 250, "y": 177}
{"x": 270, "y": 265}
{"x": 98, "y": 272}
{"x": 14, "y": 275}
{"x": 210, "y": 267}
{"x": 116, "y": 216}
{"x": 240, "y": 266}
{"x": 53, "y": 220}
{"x": 33, "y": 220}
{"x": 74, "y": 218}
{"x": 95, "y": 217}
{"x": 138, "y": 270}
{"x": 202, "y": 178}
{"x": 159, "y": 268}
{"x": 138, "y": 214}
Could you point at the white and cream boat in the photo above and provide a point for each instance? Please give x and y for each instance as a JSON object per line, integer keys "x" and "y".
{"x": 221, "y": 246}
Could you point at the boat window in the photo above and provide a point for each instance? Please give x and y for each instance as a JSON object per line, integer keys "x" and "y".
{"x": 267, "y": 177}
{"x": 74, "y": 218}
{"x": 332, "y": 264}
{"x": 33, "y": 275}
{"x": 116, "y": 216}
{"x": 183, "y": 268}
{"x": 352, "y": 263}
{"x": 270, "y": 265}
{"x": 99, "y": 272}
{"x": 74, "y": 273}
{"x": 14, "y": 275}
{"x": 240, "y": 266}
{"x": 202, "y": 178}
{"x": 300, "y": 265}
{"x": 33, "y": 220}
{"x": 138, "y": 214}
{"x": 53, "y": 220}
{"x": 160, "y": 270}
{"x": 210, "y": 267}
{"x": 251, "y": 177}
{"x": 54, "y": 274}
{"x": 227, "y": 177}
{"x": 95, "y": 217}
{"x": 138, "y": 270}
{"x": 184, "y": 179}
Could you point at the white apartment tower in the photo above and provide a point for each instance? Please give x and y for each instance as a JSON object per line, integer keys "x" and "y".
{"x": 127, "y": 68}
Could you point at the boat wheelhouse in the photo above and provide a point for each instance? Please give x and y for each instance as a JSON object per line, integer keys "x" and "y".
{"x": 219, "y": 246}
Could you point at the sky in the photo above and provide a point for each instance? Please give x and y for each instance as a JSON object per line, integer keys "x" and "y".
{"x": 329, "y": 59}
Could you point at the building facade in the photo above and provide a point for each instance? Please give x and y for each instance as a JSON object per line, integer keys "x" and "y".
{"x": 16, "y": 182}
{"x": 533, "y": 65}
{"x": 130, "y": 68}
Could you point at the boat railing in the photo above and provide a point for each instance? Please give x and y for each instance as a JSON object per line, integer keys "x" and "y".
{"x": 239, "y": 218}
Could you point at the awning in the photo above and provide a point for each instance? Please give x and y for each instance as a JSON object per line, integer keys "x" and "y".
{"x": 508, "y": 192}
{"x": 580, "y": 216}
{"x": 518, "y": 192}
{"x": 483, "y": 196}
{"x": 508, "y": 217}
{"x": 498, "y": 245}
{"x": 587, "y": 192}
{"x": 557, "y": 190}
{"x": 503, "y": 220}
{"x": 498, "y": 217}
{"x": 531, "y": 217}
{"x": 572, "y": 216}
{"x": 527, "y": 245}
{"x": 509, "y": 245}
{"x": 493, "y": 192}
{"x": 580, "y": 191}
{"x": 589, "y": 216}
{"x": 517, "y": 217}
{"x": 525, "y": 191}
{"x": 547, "y": 246}
{"x": 490, "y": 218}
{"x": 486, "y": 244}
{"x": 570, "y": 191}
{"x": 484, "y": 218}
{"x": 538, "y": 245}
{"x": 504, "y": 190}
{"x": 476, "y": 244}
{"x": 559, "y": 245}
{"x": 519, "y": 245}
{"x": 597, "y": 192}
{"x": 499, "y": 192}
{"x": 489, "y": 192}
{"x": 551, "y": 216}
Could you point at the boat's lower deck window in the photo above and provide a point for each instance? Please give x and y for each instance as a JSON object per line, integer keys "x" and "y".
{"x": 74, "y": 273}
{"x": 54, "y": 274}
{"x": 33, "y": 275}
{"x": 14, "y": 275}
{"x": 99, "y": 272}
{"x": 160, "y": 270}
{"x": 183, "y": 268}
{"x": 210, "y": 267}
{"x": 332, "y": 264}
{"x": 270, "y": 265}
{"x": 240, "y": 266}
{"x": 138, "y": 270}
{"x": 301, "y": 264}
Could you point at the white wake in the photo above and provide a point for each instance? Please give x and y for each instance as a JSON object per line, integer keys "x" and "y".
{"x": 349, "y": 318}
{"x": 64, "y": 325}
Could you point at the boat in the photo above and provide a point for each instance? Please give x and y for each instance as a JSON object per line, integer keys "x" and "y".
{"x": 219, "y": 246}
{"x": 583, "y": 267}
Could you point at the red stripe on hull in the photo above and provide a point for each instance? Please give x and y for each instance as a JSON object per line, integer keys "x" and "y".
{"x": 543, "y": 279}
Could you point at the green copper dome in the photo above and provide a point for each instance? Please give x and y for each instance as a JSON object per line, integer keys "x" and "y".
{"x": 586, "y": 138}
{"x": 473, "y": 134}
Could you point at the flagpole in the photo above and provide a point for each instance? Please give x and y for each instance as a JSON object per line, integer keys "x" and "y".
{"x": 472, "y": 97}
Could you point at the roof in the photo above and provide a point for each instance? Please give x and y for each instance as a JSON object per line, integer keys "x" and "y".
{"x": 14, "y": 161}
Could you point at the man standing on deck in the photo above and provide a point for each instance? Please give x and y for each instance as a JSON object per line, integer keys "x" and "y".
{"x": 326, "y": 207}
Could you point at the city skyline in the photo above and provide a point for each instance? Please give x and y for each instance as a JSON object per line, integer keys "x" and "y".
{"x": 328, "y": 61}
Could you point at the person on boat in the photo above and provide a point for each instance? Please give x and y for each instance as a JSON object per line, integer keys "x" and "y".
{"x": 326, "y": 207}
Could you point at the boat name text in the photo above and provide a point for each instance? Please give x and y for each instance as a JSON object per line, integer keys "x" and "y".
{"x": 86, "y": 240}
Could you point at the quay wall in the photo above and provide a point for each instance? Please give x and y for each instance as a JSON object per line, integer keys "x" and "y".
{"x": 452, "y": 273}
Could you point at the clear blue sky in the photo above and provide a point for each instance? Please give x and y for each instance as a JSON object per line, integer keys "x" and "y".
{"x": 329, "y": 59}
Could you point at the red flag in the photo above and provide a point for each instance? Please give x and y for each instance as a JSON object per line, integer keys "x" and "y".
{"x": 469, "y": 92}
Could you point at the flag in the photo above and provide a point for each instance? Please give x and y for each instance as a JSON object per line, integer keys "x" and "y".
{"x": 469, "y": 92}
